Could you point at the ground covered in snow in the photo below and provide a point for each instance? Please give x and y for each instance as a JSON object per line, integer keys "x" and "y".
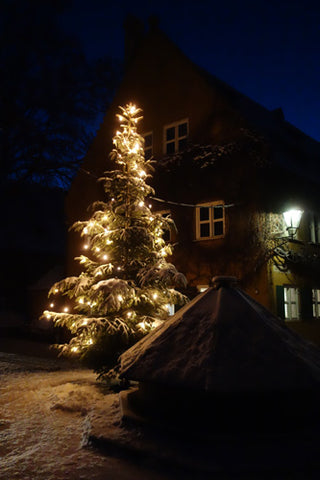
{"x": 58, "y": 423}
{"x": 46, "y": 417}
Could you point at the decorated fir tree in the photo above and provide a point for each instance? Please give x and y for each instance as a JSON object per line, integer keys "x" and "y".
{"x": 126, "y": 284}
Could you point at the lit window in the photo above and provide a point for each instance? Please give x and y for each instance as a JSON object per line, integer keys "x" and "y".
{"x": 291, "y": 303}
{"x": 316, "y": 303}
{"x": 210, "y": 220}
{"x": 170, "y": 308}
{"x": 175, "y": 137}
{"x": 148, "y": 145}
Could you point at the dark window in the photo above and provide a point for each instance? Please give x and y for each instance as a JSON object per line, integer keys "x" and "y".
{"x": 183, "y": 130}
{"x": 170, "y": 133}
{"x": 204, "y": 230}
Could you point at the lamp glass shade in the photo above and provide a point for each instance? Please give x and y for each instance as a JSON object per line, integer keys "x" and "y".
{"x": 292, "y": 218}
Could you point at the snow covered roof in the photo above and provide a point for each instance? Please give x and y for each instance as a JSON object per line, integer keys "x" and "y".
{"x": 223, "y": 340}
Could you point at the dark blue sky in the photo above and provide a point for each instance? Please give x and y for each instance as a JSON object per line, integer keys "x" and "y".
{"x": 266, "y": 49}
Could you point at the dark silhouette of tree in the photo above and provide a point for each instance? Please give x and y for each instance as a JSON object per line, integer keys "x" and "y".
{"x": 51, "y": 94}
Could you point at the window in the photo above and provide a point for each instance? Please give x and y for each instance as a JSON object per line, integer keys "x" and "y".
{"x": 175, "y": 137}
{"x": 291, "y": 303}
{"x": 171, "y": 309}
{"x": 315, "y": 303}
{"x": 210, "y": 221}
{"x": 148, "y": 145}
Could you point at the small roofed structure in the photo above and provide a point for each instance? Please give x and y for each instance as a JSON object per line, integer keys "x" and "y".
{"x": 223, "y": 361}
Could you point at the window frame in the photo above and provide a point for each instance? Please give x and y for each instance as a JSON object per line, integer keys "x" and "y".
{"x": 316, "y": 303}
{"x": 289, "y": 302}
{"x": 211, "y": 221}
{"x": 176, "y": 138}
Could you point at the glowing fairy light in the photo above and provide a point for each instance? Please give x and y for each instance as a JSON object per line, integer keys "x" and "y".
{"x": 150, "y": 206}
{"x": 105, "y": 257}
{"x": 51, "y": 305}
{"x": 48, "y": 316}
{"x": 85, "y": 322}
{"x": 85, "y": 230}
{"x": 155, "y": 296}
{"x": 86, "y": 246}
{"x": 118, "y": 268}
{"x": 66, "y": 309}
{"x": 141, "y": 203}
{"x": 90, "y": 341}
{"x": 98, "y": 273}
{"x": 98, "y": 249}
{"x": 120, "y": 298}
{"x": 74, "y": 349}
{"x": 142, "y": 173}
{"x": 132, "y": 109}
{"x": 56, "y": 290}
{"x": 81, "y": 300}
{"x": 129, "y": 314}
{"x": 108, "y": 242}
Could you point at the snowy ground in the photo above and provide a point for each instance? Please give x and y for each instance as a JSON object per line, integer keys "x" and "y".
{"x": 50, "y": 412}
{"x": 45, "y": 422}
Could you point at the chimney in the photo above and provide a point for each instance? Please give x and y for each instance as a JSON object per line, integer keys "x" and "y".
{"x": 134, "y": 34}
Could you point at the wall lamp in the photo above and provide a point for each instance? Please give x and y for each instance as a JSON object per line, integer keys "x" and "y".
{"x": 292, "y": 220}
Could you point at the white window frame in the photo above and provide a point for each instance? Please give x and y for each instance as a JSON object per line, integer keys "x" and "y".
{"x": 316, "y": 303}
{"x": 148, "y": 149}
{"x": 291, "y": 300}
{"x": 211, "y": 221}
{"x": 176, "y": 138}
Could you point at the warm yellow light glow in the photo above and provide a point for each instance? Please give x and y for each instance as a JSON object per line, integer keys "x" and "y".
{"x": 142, "y": 173}
{"x": 150, "y": 206}
{"x": 48, "y": 316}
{"x": 85, "y": 322}
{"x": 129, "y": 314}
{"x": 120, "y": 298}
{"x": 81, "y": 300}
{"x": 118, "y": 268}
{"x": 85, "y": 230}
{"x": 66, "y": 309}
{"x": 90, "y": 341}
{"x": 155, "y": 296}
{"x": 98, "y": 273}
{"x": 132, "y": 109}
{"x": 86, "y": 246}
{"x": 56, "y": 290}
{"x": 105, "y": 257}
{"x": 51, "y": 305}
{"x": 108, "y": 242}
{"x": 74, "y": 349}
{"x": 141, "y": 203}
{"x": 151, "y": 218}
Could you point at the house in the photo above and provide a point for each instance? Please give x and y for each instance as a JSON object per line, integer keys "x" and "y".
{"x": 226, "y": 169}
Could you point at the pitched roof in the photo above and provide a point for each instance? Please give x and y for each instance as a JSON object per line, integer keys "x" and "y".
{"x": 224, "y": 341}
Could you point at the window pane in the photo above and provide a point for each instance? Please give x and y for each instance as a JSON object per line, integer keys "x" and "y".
{"x": 218, "y": 228}
{"x": 183, "y": 130}
{"x": 204, "y": 213}
{"x": 170, "y": 133}
{"x": 170, "y": 147}
{"x": 217, "y": 212}
{"x": 148, "y": 141}
{"x": 182, "y": 144}
{"x": 204, "y": 230}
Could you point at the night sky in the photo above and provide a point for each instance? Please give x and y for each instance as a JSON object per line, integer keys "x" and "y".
{"x": 266, "y": 49}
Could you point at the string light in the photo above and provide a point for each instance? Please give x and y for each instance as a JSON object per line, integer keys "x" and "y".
{"x": 85, "y": 230}
{"x": 105, "y": 257}
{"x": 81, "y": 300}
{"x": 66, "y": 309}
{"x": 86, "y": 246}
{"x": 141, "y": 203}
{"x": 120, "y": 298}
{"x": 51, "y": 305}
{"x": 48, "y": 316}
{"x": 74, "y": 349}
{"x": 155, "y": 296}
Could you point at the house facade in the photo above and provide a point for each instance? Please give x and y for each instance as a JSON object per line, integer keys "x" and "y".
{"x": 226, "y": 169}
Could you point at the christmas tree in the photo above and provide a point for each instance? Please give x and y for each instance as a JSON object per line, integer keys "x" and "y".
{"x": 126, "y": 284}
